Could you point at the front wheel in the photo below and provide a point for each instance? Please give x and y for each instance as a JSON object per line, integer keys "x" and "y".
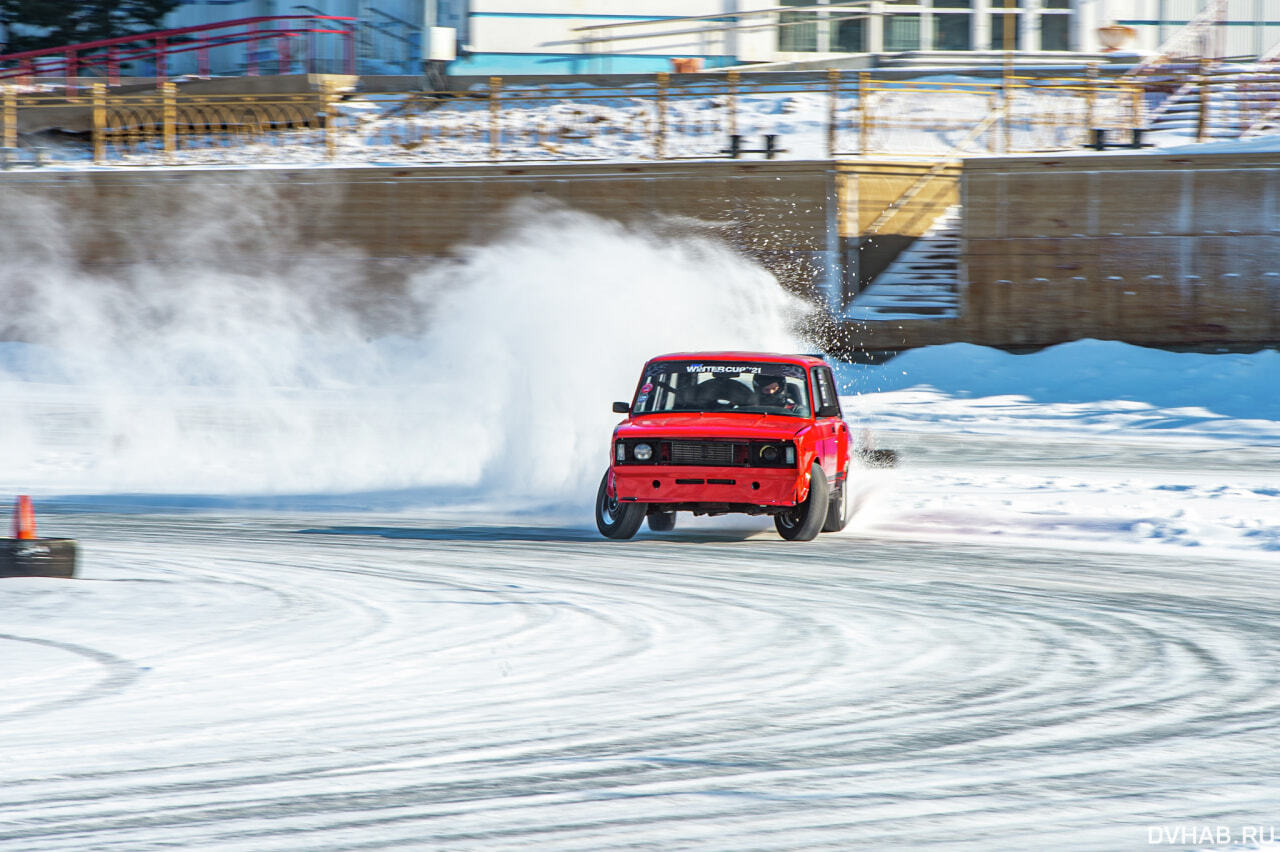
{"x": 803, "y": 521}
{"x": 614, "y": 518}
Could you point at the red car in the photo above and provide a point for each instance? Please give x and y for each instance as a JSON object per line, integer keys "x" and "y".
{"x": 719, "y": 432}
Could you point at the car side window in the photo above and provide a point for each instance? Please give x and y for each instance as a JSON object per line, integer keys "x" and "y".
{"x": 824, "y": 384}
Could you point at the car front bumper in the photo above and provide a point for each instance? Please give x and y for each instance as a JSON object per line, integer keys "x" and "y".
{"x": 713, "y": 485}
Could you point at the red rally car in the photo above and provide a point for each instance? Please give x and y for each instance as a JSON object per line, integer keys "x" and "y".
{"x": 719, "y": 432}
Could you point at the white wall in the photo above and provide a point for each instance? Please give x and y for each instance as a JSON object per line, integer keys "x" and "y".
{"x": 1254, "y": 24}
{"x": 552, "y": 26}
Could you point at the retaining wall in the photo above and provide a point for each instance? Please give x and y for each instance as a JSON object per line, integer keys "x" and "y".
{"x": 781, "y": 211}
{"x": 1150, "y": 248}
{"x": 1162, "y": 250}
{"x": 1147, "y": 248}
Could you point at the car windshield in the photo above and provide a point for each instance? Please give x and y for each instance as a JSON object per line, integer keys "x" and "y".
{"x": 747, "y": 386}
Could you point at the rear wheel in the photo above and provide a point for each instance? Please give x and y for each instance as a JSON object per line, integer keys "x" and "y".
{"x": 662, "y": 521}
{"x": 614, "y": 518}
{"x": 802, "y": 522}
{"x": 838, "y": 510}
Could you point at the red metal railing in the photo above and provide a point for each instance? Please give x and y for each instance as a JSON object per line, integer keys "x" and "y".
{"x": 107, "y": 55}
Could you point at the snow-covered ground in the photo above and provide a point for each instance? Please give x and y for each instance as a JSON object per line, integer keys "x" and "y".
{"x": 248, "y": 681}
{"x": 1094, "y": 443}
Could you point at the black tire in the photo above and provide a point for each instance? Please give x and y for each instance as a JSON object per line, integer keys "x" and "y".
{"x": 839, "y": 509}
{"x": 802, "y": 522}
{"x": 661, "y": 521}
{"x": 616, "y": 519}
{"x": 37, "y": 557}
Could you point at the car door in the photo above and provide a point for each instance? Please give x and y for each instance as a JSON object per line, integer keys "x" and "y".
{"x": 833, "y": 434}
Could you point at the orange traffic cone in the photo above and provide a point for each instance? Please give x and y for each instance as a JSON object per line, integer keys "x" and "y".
{"x": 24, "y": 519}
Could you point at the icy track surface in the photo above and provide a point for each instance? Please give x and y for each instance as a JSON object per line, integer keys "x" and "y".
{"x": 313, "y": 682}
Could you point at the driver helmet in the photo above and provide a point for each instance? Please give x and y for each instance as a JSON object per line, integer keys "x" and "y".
{"x": 762, "y": 380}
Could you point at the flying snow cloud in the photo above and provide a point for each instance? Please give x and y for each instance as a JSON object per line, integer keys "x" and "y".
{"x": 229, "y": 358}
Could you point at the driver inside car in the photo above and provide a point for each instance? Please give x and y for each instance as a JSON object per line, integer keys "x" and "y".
{"x": 771, "y": 391}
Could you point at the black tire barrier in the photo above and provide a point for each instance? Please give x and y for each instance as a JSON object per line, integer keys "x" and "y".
{"x": 37, "y": 557}
{"x": 880, "y": 458}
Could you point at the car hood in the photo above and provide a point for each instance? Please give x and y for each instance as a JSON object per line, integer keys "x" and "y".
{"x": 770, "y": 427}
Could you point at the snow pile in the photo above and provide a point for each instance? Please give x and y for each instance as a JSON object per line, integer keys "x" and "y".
{"x": 1088, "y": 444}
{"x": 1096, "y": 383}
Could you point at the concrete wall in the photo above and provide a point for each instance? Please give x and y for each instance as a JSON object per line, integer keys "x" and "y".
{"x": 1150, "y": 248}
{"x": 781, "y": 213}
{"x": 1167, "y": 250}
{"x": 1147, "y": 248}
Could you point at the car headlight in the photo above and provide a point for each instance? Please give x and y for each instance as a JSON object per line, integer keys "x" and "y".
{"x": 769, "y": 453}
{"x": 642, "y": 452}
{"x": 791, "y": 454}
{"x": 620, "y": 451}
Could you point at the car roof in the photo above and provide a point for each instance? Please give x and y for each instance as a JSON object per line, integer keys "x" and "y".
{"x": 768, "y": 357}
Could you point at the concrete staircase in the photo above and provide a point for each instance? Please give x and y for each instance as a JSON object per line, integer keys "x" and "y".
{"x": 1239, "y": 99}
{"x": 922, "y": 283}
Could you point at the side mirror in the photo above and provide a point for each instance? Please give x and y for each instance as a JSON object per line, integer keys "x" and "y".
{"x": 621, "y": 408}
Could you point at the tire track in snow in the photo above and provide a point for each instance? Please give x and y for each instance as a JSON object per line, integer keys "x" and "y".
{"x": 471, "y": 692}
{"x": 119, "y": 674}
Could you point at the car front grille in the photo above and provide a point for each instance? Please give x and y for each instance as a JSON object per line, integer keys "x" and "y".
{"x": 701, "y": 452}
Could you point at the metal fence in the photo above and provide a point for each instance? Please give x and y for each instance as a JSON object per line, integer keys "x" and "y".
{"x": 1006, "y": 116}
{"x": 658, "y": 118}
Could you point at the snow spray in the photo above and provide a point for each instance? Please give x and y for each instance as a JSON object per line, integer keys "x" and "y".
{"x": 232, "y": 361}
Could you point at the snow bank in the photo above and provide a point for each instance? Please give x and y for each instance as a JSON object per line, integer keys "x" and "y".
{"x": 1089, "y": 445}
{"x": 1224, "y": 386}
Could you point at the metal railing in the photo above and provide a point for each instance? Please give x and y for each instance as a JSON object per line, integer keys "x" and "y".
{"x": 389, "y": 41}
{"x": 1199, "y": 39}
{"x": 106, "y": 56}
{"x": 833, "y": 116}
{"x": 1219, "y": 100}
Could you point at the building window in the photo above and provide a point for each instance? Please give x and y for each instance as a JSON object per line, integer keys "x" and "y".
{"x": 901, "y": 32}
{"x": 844, "y": 29}
{"x": 998, "y": 24}
{"x": 797, "y": 31}
{"x": 1055, "y": 32}
{"x": 952, "y": 32}
{"x": 851, "y": 36}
